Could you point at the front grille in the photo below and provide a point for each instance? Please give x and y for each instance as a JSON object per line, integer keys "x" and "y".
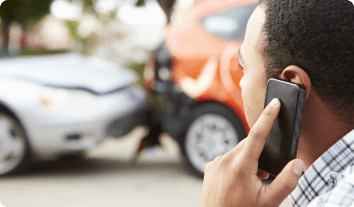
{"x": 73, "y": 137}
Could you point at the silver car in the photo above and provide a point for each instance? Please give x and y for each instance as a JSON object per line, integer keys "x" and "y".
{"x": 63, "y": 105}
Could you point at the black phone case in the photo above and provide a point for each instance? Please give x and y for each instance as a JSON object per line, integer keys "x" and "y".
{"x": 281, "y": 143}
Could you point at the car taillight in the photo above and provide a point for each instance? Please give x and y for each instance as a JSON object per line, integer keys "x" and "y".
{"x": 149, "y": 73}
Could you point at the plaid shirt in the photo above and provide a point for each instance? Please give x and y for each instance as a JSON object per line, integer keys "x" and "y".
{"x": 330, "y": 179}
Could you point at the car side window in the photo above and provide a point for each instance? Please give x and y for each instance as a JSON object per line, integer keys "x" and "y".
{"x": 229, "y": 24}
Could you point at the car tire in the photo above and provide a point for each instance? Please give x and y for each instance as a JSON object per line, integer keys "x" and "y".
{"x": 213, "y": 130}
{"x": 14, "y": 147}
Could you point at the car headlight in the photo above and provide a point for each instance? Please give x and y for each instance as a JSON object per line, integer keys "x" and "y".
{"x": 163, "y": 62}
{"x": 59, "y": 97}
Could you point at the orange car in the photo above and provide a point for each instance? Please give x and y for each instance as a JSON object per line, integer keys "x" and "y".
{"x": 196, "y": 70}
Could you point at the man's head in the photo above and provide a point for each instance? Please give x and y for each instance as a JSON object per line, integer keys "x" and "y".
{"x": 309, "y": 41}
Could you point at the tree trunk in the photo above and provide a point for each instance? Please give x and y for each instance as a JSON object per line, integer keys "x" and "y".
{"x": 6, "y": 38}
{"x": 167, "y": 6}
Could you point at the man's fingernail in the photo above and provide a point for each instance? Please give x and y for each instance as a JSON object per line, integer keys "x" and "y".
{"x": 274, "y": 102}
{"x": 298, "y": 167}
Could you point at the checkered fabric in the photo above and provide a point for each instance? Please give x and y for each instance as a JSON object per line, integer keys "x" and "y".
{"x": 329, "y": 181}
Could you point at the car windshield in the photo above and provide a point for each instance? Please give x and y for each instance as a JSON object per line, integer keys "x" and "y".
{"x": 229, "y": 24}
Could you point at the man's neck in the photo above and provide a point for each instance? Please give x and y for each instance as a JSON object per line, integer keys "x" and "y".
{"x": 320, "y": 129}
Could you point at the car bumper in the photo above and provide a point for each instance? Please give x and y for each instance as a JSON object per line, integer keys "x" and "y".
{"x": 123, "y": 125}
{"x": 178, "y": 110}
{"x": 70, "y": 130}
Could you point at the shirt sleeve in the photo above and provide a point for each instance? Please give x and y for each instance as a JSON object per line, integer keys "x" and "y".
{"x": 340, "y": 196}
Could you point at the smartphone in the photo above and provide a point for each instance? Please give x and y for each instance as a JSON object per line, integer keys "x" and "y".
{"x": 281, "y": 143}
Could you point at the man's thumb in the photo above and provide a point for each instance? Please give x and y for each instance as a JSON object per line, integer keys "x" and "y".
{"x": 285, "y": 182}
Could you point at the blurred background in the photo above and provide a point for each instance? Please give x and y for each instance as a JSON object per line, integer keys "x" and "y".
{"x": 117, "y": 102}
{"x": 123, "y": 31}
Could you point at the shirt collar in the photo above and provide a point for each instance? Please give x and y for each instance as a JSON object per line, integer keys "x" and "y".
{"x": 322, "y": 175}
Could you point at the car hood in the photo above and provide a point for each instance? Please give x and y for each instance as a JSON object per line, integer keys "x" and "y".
{"x": 68, "y": 71}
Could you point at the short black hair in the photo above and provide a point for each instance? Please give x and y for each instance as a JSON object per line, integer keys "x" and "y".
{"x": 318, "y": 36}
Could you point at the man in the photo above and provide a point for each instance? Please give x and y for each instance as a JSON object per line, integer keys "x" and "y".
{"x": 311, "y": 42}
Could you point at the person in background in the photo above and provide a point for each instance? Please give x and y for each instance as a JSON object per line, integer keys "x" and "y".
{"x": 312, "y": 43}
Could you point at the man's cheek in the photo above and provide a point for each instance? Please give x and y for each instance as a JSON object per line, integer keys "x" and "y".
{"x": 249, "y": 113}
{"x": 253, "y": 112}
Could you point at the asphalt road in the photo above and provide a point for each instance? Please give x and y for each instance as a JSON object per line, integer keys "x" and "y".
{"x": 107, "y": 177}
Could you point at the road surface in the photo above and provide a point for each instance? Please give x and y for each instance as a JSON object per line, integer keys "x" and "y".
{"x": 106, "y": 177}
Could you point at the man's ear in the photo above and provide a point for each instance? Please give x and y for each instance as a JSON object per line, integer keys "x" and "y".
{"x": 297, "y": 75}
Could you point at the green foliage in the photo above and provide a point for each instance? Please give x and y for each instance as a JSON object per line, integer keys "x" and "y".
{"x": 39, "y": 51}
{"x": 7, "y": 10}
{"x": 88, "y": 6}
{"x": 26, "y": 12}
{"x": 157, "y": 101}
{"x": 73, "y": 25}
{"x": 139, "y": 69}
{"x": 166, "y": 6}
{"x": 90, "y": 42}
{"x": 140, "y": 3}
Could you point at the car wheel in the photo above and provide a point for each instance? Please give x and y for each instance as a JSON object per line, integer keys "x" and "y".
{"x": 14, "y": 148}
{"x": 214, "y": 130}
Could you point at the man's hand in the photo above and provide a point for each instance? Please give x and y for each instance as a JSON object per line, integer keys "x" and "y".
{"x": 233, "y": 180}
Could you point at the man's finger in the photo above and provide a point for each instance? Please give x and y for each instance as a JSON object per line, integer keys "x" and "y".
{"x": 259, "y": 132}
{"x": 238, "y": 147}
{"x": 284, "y": 183}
